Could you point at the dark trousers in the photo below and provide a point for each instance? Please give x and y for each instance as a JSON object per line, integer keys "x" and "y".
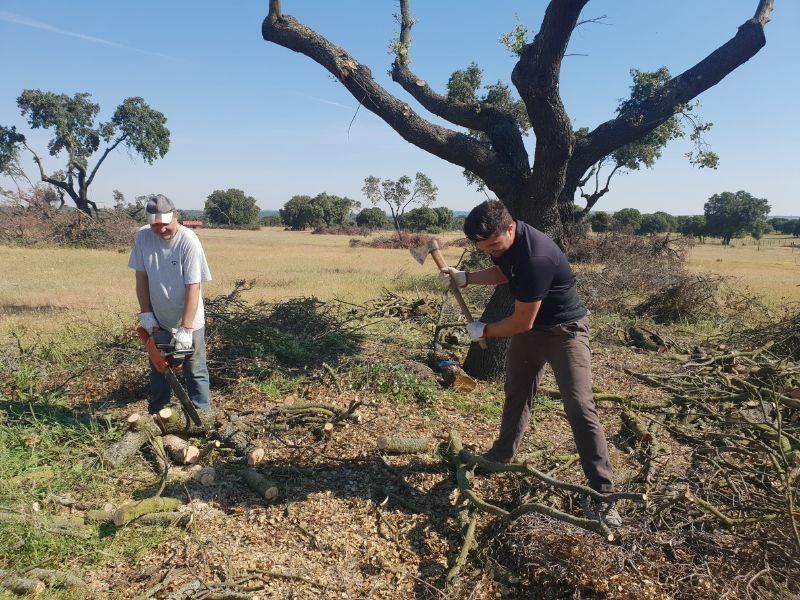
{"x": 195, "y": 374}
{"x": 566, "y": 348}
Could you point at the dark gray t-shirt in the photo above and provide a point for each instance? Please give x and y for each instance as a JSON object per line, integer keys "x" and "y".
{"x": 171, "y": 265}
{"x": 537, "y": 269}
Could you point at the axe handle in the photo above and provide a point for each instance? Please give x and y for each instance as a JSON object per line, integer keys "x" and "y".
{"x": 439, "y": 260}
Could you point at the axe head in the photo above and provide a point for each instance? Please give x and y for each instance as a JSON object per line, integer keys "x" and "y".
{"x": 420, "y": 253}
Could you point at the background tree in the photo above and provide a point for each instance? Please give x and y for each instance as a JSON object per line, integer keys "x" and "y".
{"x": 730, "y": 215}
{"x": 626, "y": 219}
{"x": 270, "y": 221}
{"x": 421, "y": 219}
{"x": 301, "y": 213}
{"x": 372, "y": 218}
{"x": 693, "y": 226}
{"x": 540, "y": 190}
{"x": 760, "y": 228}
{"x": 134, "y": 126}
{"x": 654, "y": 223}
{"x": 231, "y": 207}
{"x": 445, "y": 218}
{"x": 399, "y": 195}
{"x": 335, "y": 209}
{"x": 777, "y": 223}
{"x": 600, "y": 221}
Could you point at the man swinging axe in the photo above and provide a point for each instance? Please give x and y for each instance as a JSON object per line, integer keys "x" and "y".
{"x": 549, "y": 325}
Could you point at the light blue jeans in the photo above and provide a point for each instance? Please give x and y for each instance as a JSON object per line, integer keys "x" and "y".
{"x": 195, "y": 374}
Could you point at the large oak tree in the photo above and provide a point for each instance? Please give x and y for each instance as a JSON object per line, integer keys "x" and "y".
{"x": 77, "y": 135}
{"x": 538, "y": 189}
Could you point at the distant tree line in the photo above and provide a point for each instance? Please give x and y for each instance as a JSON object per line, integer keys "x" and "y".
{"x": 727, "y": 215}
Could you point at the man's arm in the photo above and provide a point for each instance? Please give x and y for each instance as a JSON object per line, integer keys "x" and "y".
{"x": 143, "y": 292}
{"x": 520, "y": 321}
{"x": 192, "y": 300}
{"x": 491, "y": 276}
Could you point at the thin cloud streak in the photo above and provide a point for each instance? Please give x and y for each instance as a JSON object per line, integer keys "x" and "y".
{"x": 16, "y": 19}
{"x": 330, "y": 102}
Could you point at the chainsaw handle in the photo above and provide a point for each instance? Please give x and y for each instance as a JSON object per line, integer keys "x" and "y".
{"x": 156, "y": 358}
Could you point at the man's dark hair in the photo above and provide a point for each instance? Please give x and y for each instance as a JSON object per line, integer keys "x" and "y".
{"x": 486, "y": 220}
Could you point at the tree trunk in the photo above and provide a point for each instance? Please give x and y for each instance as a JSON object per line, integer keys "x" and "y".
{"x": 491, "y": 363}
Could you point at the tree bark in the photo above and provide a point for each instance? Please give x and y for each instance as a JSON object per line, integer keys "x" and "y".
{"x": 490, "y": 364}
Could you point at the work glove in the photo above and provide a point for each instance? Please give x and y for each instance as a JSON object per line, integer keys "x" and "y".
{"x": 148, "y": 321}
{"x": 451, "y": 275}
{"x": 182, "y": 338}
{"x": 476, "y": 330}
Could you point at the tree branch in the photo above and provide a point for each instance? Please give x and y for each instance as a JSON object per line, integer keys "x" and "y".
{"x": 664, "y": 103}
{"x": 500, "y": 126}
{"x": 67, "y": 187}
{"x": 536, "y": 76}
{"x": 458, "y": 148}
{"x": 591, "y": 199}
{"x": 102, "y": 158}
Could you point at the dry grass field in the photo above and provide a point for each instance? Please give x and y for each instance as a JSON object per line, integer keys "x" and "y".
{"x": 772, "y": 270}
{"x": 42, "y": 288}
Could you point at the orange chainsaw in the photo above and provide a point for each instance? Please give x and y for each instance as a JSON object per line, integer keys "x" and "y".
{"x": 166, "y": 361}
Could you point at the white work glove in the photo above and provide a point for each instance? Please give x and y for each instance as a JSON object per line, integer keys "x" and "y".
{"x": 148, "y": 321}
{"x": 182, "y": 338}
{"x": 476, "y": 330}
{"x": 451, "y": 275}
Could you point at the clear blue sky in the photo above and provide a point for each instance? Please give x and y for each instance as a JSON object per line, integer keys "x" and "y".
{"x": 248, "y": 114}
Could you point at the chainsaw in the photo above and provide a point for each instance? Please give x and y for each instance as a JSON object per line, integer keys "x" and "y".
{"x": 166, "y": 361}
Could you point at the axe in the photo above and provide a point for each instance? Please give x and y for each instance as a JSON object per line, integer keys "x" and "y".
{"x": 432, "y": 248}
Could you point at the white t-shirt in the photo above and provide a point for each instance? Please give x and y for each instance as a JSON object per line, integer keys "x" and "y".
{"x": 171, "y": 265}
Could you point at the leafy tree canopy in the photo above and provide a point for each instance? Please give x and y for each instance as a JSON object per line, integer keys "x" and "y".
{"x": 231, "y": 207}
{"x": 733, "y": 214}
{"x": 372, "y": 218}
{"x": 627, "y": 219}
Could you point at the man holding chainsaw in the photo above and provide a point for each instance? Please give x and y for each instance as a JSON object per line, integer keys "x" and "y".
{"x": 549, "y": 325}
{"x": 170, "y": 267}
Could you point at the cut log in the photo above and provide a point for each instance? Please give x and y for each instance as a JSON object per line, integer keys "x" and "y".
{"x": 259, "y": 484}
{"x": 402, "y": 445}
{"x": 137, "y": 422}
{"x": 170, "y": 518}
{"x": 453, "y": 449}
{"x": 637, "y": 429}
{"x": 123, "y": 450}
{"x": 241, "y": 444}
{"x": 99, "y": 517}
{"x": 132, "y": 510}
{"x": 57, "y": 579}
{"x": 180, "y": 451}
{"x": 205, "y": 476}
{"x": 34, "y": 476}
{"x": 21, "y": 586}
{"x": 172, "y": 420}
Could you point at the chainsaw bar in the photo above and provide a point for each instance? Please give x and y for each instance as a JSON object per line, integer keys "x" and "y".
{"x": 161, "y": 365}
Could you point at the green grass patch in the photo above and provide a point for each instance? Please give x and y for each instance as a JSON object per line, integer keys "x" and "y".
{"x": 393, "y": 381}
{"x": 47, "y": 452}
